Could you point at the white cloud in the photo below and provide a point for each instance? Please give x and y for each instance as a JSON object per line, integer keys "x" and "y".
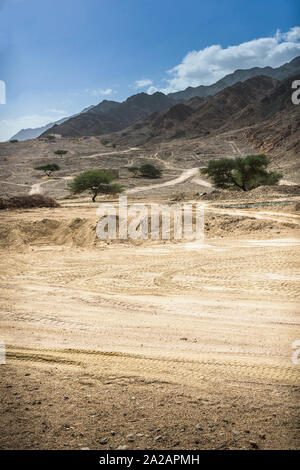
{"x": 209, "y": 65}
{"x": 9, "y": 127}
{"x": 99, "y": 92}
{"x": 142, "y": 83}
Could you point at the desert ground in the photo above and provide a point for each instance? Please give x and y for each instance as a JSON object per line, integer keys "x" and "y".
{"x": 148, "y": 345}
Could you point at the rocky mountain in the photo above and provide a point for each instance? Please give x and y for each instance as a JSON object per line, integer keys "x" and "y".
{"x": 110, "y": 116}
{"x": 258, "y": 111}
{"x": 29, "y": 133}
{"x": 289, "y": 69}
{"x": 26, "y": 134}
{"x": 234, "y": 107}
{"x": 277, "y": 129}
{"x": 117, "y": 117}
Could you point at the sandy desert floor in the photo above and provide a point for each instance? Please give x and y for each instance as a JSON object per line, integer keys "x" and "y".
{"x": 150, "y": 346}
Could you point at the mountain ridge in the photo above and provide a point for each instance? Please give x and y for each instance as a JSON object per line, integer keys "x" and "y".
{"x": 111, "y": 116}
{"x": 240, "y": 75}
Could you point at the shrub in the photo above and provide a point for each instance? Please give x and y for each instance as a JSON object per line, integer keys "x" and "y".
{"x": 150, "y": 171}
{"x": 48, "y": 169}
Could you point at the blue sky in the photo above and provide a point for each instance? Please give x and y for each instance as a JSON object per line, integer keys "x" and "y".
{"x": 59, "y": 56}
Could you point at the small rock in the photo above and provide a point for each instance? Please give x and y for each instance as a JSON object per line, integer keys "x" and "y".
{"x": 222, "y": 447}
{"x": 157, "y": 438}
{"x": 103, "y": 440}
{"x": 123, "y": 447}
{"x": 254, "y": 445}
{"x": 200, "y": 428}
{"x": 85, "y": 448}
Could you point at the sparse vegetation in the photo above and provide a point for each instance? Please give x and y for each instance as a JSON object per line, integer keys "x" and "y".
{"x": 241, "y": 173}
{"x": 147, "y": 171}
{"x": 95, "y": 182}
{"x": 150, "y": 171}
{"x": 14, "y": 141}
{"x": 61, "y": 152}
{"x": 48, "y": 169}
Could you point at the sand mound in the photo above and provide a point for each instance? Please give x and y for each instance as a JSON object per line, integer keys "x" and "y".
{"x": 77, "y": 232}
{"x": 27, "y": 202}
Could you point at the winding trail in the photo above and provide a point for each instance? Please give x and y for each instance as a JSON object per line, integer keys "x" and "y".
{"x": 37, "y": 188}
{"x": 185, "y": 175}
{"x": 109, "y": 153}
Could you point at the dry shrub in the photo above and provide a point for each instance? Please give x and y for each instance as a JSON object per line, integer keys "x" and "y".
{"x": 27, "y": 202}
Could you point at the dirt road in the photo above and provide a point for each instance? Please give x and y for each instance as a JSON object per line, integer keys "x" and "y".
{"x": 154, "y": 328}
{"x": 185, "y": 175}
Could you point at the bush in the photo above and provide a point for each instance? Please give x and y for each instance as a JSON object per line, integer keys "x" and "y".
{"x": 150, "y": 171}
{"x": 48, "y": 169}
{"x": 241, "y": 173}
{"x": 27, "y": 202}
{"x": 95, "y": 182}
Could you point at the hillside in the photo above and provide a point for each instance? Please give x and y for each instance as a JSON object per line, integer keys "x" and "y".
{"x": 110, "y": 116}
{"x": 29, "y": 133}
{"x": 280, "y": 73}
{"x": 229, "y": 109}
{"x": 115, "y": 118}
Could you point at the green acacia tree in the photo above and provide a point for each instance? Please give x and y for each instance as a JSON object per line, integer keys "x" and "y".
{"x": 48, "y": 169}
{"x": 241, "y": 173}
{"x": 61, "y": 152}
{"x": 95, "y": 182}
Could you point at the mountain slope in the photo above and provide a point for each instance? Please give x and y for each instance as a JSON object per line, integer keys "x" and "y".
{"x": 26, "y": 134}
{"x": 231, "y": 108}
{"x": 289, "y": 69}
{"x": 118, "y": 117}
{"x": 29, "y": 133}
{"x": 278, "y": 128}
